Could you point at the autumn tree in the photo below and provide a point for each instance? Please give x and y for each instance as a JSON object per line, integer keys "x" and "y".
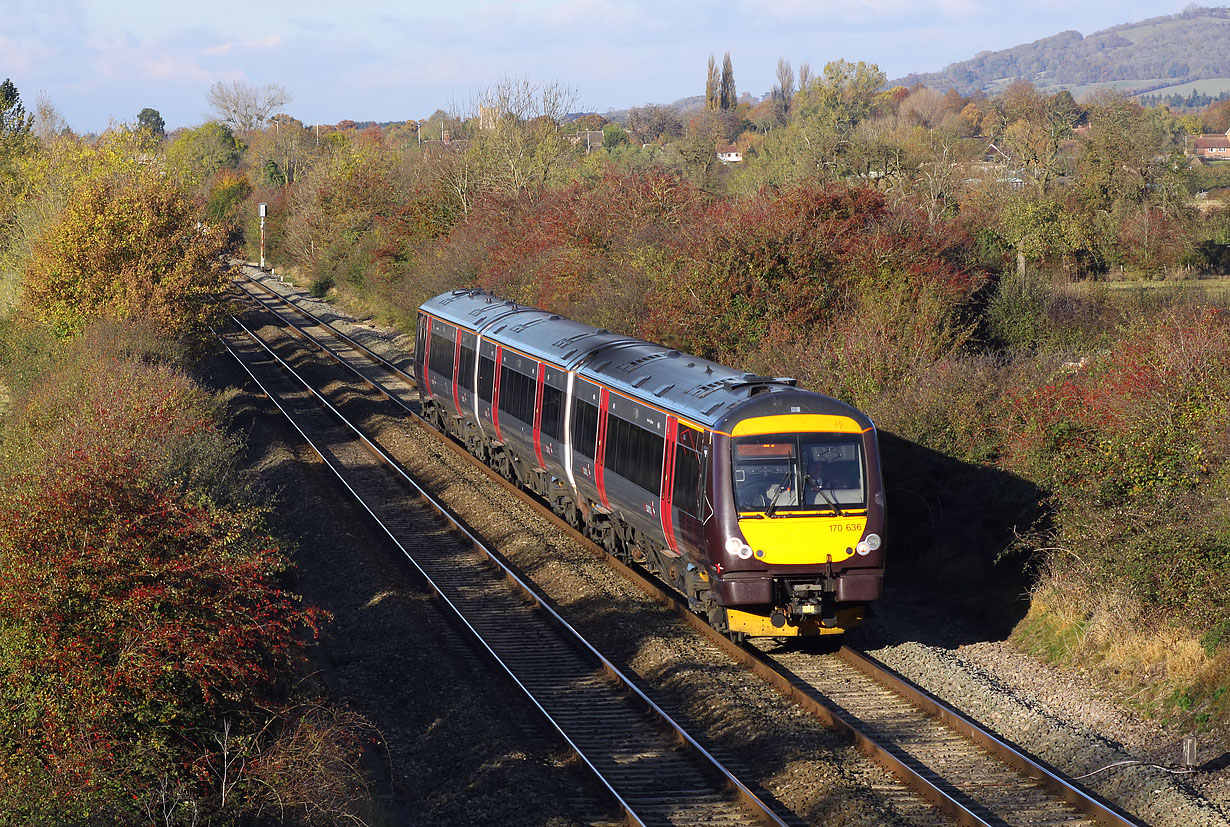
{"x": 49, "y": 124}
{"x": 728, "y": 97}
{"x": 713, "y": 83}
{"x": 126, "y": 248}
{"x": 804, "y": 76}
{"x": 653, "y": 122}
{"x": 1117, "y": 152}
{"x": 196, "y": 154}
{"x": 146, "y": 643}
{"x": 783, "y": 91}
{"x": 287, "y": 143}
{"x": 826, "y": 113}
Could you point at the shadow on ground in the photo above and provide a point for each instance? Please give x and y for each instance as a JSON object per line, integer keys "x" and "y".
{"x": 954, "y": 542}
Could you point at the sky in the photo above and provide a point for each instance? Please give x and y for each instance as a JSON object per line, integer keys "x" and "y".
{"x": 102, "y": 62}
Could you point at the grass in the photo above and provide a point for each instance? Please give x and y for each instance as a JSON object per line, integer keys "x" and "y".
{"x": 1213, "y": 287}
{"x": 1165, "y": 672}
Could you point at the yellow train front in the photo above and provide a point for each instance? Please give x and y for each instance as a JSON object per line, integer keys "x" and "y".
{"x": 758, "y": 501}
{"x": 796, "y": 543}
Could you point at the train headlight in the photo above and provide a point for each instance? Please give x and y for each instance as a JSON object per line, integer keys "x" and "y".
{"x": 738, "y": 548}
{"x": 868, "y": 544}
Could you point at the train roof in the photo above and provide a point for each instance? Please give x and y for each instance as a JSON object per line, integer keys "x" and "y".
{"x": 690, "y": 387}
{"x": 539, "y": 333}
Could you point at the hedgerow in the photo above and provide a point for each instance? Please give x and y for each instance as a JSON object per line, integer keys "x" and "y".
{"x": 1132, "y": 446}
{"x": 147, "y": 640}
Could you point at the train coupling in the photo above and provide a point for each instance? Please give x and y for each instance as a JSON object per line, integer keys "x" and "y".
{"x": 807, "y": 600}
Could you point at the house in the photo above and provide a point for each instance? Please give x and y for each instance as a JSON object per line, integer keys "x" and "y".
{"x": 589, "y": 139}
{"x": 729, "y": 154}
{"x": 1209, "y": 147}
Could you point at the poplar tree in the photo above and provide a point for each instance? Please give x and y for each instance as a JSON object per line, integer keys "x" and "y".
{"x": 712, "y": 84}
{"x": 728, "y": 97}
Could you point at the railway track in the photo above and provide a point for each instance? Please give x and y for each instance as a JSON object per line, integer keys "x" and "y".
{"x": 655, "y": 772}
{"x": 962, "y": 769}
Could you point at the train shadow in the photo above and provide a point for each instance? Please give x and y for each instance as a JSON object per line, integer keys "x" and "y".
{"x": 955, "y": 556}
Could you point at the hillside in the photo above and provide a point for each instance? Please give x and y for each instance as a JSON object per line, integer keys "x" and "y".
{"x": 1184, "y": 54}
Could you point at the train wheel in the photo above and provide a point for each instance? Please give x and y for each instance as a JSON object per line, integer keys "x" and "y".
{"x": 502, "y": 465}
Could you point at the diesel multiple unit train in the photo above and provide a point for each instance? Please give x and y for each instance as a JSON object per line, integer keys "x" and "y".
{"x": 760, "y": 502}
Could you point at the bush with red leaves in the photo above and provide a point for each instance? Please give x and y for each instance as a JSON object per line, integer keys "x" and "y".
{"x": 141, "y": 605}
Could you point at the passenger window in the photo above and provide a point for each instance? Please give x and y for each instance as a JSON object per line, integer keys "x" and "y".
{"x": 584, "y": 428}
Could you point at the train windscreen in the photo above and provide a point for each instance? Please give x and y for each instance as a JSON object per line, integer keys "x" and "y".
{"x": 799, "y": 472}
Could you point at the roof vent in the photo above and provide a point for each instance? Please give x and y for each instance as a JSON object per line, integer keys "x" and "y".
{"x": 760, "y": 382}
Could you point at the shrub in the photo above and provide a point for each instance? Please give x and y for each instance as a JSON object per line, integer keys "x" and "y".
{"x": 122, "y": 249}
{"x": 1132, "y": 448}
{"x": 145, "y": 638}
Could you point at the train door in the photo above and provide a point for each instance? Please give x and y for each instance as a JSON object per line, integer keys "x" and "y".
{"x": 666, "y": 495}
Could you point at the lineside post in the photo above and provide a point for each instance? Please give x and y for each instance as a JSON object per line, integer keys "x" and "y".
{"x": 263, "y": 210}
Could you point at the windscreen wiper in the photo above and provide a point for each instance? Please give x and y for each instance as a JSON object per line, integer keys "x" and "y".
{"x": 781, "y": 487}
{"x": 819, "y": 487}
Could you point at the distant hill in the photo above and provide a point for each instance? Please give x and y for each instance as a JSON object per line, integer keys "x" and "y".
{"x": 1185, "y": 55}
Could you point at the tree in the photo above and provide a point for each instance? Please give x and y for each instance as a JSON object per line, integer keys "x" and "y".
{"x": 1116, "y": 152}
{"x": 651, "y": 122}
{"x": 151, "y": 119}
{"x": 783, "y": 90}
{"x": 614, "y": 135}
{"x": 287, "y": 142}
{"x": 524, "y": 141}
{"x": 712, "y": 85}
{"x": 49, "y": 124}
{"x": 843, "y": 96}
{"x": 728, "y": 98}
{"x": 196, "y": 154}
{"x": 804, "y": 76}
{"x": 141, "y": 605}
{"x": 245, "y": 108}
{"x": 15, "y": 125}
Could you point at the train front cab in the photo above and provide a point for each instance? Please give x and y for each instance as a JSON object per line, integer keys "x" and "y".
{"x": 800, "y": 524}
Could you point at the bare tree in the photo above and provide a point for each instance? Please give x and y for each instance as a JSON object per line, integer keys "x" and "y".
{"x": 785, "y": 80}
{"x": 245, "y": 108}
{"x": 48, "y": 122}
{"x": 783, "y": 91}
{"x": 520, "y": 131}
{"x": 651, "y": 122}
{"x": 804, "y": 76}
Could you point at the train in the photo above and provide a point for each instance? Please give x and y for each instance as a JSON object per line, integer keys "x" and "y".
{"x": 758, "y": 501}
